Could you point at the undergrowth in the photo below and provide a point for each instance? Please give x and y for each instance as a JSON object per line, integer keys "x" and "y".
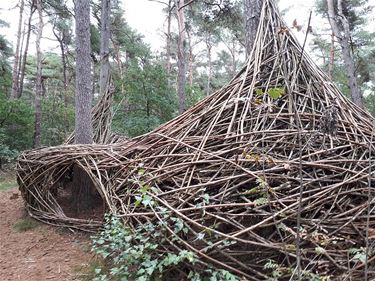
{"x": 140, "y": 255}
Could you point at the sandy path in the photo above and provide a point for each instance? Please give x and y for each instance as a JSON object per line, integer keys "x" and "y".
{"x": 43, "y": 253}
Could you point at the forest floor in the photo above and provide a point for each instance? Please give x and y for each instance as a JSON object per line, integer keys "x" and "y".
{"x": 32, "y": 251}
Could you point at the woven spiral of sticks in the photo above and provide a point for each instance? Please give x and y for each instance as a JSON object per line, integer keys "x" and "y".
{"x": 237, "y": 168}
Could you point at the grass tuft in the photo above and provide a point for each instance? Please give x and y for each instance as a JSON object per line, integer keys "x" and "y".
{"x": 25, "y": 224}
{"x": 88, "y": 271}
{"x": 7, "y": 184}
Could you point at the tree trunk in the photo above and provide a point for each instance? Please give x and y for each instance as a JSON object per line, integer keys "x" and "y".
{"x": 83, "y": 97}
{"x": 331, "y": 56}
{"x": 191, "y": 60}
{"x": 24, "y": 57}
{"x": 181, "y": 77}
{"x": 105, "y": 33}
{"x": 252, "y": 10}
{"x": 233, "y": 55}
{"x": 39, "y": 82}
{"x": 337, "y": 23}
{"x": 19, "y": 66}
{"x": 169, "y": 38}
{"x": 15, "y": 72}
{"x": 209, "y": 74}
{"x": 83, "y": 191}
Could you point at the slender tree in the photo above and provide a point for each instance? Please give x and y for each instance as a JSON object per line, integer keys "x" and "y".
{"x": 252, "y": 10}
{"x": 341, "y": 30}
{"x": 26, "y": 48}
{"x": 15, "y": 73}
{"x": 39, "y": 82}
{"x": 105, "y": 34}
{"x": 181, "y": 64}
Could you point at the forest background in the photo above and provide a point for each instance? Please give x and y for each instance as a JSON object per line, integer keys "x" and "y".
{"x": 37, "y": 89}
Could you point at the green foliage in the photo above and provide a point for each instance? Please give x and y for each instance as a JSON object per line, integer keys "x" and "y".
{"x": 16, "y": 120}
{"x": 95, "y": 39}
{"x": 361, "y": 43}
{"x": 138, "y": 255}
{"x": 273, "y": 93}
{"x": 53, "y": 131}
{"x": 149, "y": 100}
{"x": 193, "y": 95}
{"x": 359, "y": 254}
{"x": 5, "y": 69}
{"x": 7, "y": 184}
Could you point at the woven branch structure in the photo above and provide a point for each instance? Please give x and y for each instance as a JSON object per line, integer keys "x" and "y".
{"x": 278, "y": 147}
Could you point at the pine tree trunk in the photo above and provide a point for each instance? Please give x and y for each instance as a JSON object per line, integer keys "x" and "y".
{"x": 25, "y": 52}
{"x": 181, "y": 77}
{"x": 83, "y": 191}
{"x": 15, "y": 72}
{"x": 209, "y": 74}
{"x": 39, "y": 82}
{"x": 191, "y": 60}
{"x": 338, "y": 23}
{"x": 331, "y": 56}
{"x": 83, "y": 97}
{"x": 169, "y": 38}
{"x": 105, "y": 33}
{"x": 252, "y": 10}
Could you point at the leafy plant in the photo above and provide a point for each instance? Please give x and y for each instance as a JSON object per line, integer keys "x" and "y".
{"x": 358, "y": 254}
{"x": 141, "y": 253}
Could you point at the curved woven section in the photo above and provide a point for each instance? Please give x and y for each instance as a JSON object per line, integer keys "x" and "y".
{"x": 238, "y": 167}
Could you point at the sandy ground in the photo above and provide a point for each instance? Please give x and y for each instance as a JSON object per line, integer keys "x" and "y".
{"x": 42, "y": 253}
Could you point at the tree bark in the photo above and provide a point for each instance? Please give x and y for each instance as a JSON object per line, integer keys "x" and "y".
{"x": 83, "y": 191}
{"x": 181, "y": 64}
{"x": 252, "y": 10}
{"x": 191, "y": 60}
{"x": 339, "y": 22}
{"x": 83, "y": 97}
{"x": 15, "y": 72}
{"x": 105, "y": 33}
{"x": 39, "y": 82}
{"x": 209, "y": 55}
{"x": 25, "y": 52}
{"x": 331, "y": 56}
{"x": 169, "y": 38}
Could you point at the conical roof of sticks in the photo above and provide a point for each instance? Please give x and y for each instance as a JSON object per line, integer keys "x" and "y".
{"x": 276, "y": 154}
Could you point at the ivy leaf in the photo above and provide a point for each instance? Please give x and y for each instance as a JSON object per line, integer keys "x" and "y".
{"x": 179, "y": 225}
{"x": 200, "y": 236}
{"x": 147, "y": 200}
{"x": 275, "y": 93}
{"x": 206, "y": 198}
{"x": 145, "y": 188}
{"x": 138, "y": 200}
{"x": 259, "y": 92}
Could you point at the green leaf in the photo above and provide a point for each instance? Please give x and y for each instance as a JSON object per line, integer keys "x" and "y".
{"x": 141, "y": 172}
{"x": 259, "y": 92}
{"x": 147, "y": 200}
{"x": 275, "y": 93}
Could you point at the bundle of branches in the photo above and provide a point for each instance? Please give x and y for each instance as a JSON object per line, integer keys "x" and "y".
{"x": 270, "y": 173}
